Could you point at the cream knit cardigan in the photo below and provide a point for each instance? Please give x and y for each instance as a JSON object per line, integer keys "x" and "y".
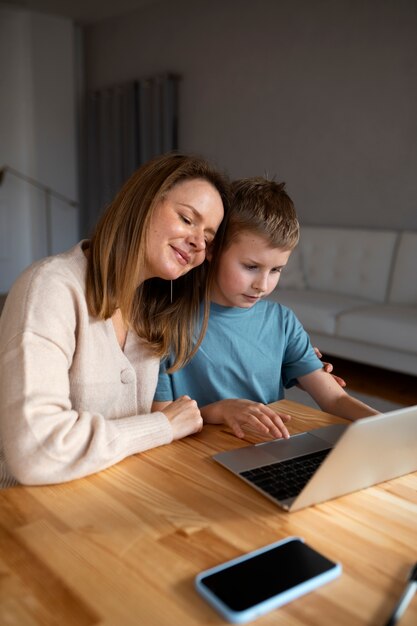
{"x": 71, "y": 401}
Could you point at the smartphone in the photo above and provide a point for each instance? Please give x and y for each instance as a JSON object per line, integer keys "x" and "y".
{"x": 253, "y": 584}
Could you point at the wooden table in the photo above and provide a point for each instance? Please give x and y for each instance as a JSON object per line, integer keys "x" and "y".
{"x": 122, "y": 547}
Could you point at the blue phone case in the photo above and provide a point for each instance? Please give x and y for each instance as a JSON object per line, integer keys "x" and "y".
{"x": 238, "y": 617}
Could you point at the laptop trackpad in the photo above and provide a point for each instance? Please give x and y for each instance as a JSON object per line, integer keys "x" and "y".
{"x": 244, "y": 458}
{"x": 330, "y": 433}
{"x": 296, "y": 445}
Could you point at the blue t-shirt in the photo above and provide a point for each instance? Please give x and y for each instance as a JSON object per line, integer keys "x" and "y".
{"x": 246, "y": 353}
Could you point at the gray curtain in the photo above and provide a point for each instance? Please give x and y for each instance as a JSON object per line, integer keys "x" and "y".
{"x": 127, "y": 125}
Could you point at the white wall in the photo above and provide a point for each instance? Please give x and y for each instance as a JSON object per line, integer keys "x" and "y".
{"x": 320, "y": 93}
{"x": 37, "y": 136}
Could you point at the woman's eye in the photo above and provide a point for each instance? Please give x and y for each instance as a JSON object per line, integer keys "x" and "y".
{"x": 250, "y": 267}
{"x": 276, "y": 270}
{"x": 186, "y": 219}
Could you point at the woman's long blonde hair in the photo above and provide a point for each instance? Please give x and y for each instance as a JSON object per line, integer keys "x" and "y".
{"x": 117, "y": 253}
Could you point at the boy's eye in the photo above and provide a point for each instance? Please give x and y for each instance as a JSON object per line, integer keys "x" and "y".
{"x": 185, "y": 219}
{"x": 250, "y": 267}
{"x": 276, "y": 270}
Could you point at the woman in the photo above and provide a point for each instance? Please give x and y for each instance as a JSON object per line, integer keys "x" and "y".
{"x": 82, "y": 332}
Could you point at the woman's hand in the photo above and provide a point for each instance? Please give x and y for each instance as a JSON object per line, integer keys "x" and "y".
{"x": 185, "y": 417}
{"x": 255, "y": 416}
{"x": 328, "y": 367}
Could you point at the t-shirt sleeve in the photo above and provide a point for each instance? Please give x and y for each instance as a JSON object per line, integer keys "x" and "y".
{"x": 299, "y": 357}
{"x": 164, "y": 391}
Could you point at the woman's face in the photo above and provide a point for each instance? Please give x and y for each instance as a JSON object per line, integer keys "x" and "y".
{"x": 183, "y": 224}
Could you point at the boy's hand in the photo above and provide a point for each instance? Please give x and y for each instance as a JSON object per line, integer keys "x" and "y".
{"x": 254, "y": 415}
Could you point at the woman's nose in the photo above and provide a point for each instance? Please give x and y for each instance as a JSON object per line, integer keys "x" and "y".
{"x": 197, "y": 240}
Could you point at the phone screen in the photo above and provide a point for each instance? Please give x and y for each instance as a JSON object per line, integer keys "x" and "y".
{"x": 268, "y": 574}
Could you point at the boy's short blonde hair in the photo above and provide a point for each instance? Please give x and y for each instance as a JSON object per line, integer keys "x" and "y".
{"x": 263, "y": 207}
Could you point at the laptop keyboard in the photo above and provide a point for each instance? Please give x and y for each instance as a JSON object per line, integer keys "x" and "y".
{"x": 287, "y": 478}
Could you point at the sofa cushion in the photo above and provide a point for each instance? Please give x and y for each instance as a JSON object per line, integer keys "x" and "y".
{"x": 404, "y": 277}
{"x": 350, "y": 261}
{"x": 292, "y": 276}
{"x": 316, "y": 310}
{"x": 390, "y": 326}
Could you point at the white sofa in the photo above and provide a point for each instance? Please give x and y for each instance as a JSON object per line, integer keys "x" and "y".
{"x": 355, "y": 292}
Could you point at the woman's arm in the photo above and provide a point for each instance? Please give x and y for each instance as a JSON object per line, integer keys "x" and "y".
{"x": 68, "y": 400}
{"x": 46, "y": 439}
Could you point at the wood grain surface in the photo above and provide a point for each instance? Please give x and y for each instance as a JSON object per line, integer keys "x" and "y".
{"x": 122, "y": 547}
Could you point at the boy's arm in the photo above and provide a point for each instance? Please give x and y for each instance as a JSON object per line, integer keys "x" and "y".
{"x": 331, "y": 398}
{"x": 328, "y": 367}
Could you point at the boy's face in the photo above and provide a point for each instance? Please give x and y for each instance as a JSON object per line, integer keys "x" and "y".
{"x": 249, "y": 269}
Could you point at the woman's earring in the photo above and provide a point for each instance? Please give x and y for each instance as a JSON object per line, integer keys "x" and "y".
{"x": 171, "y": 291}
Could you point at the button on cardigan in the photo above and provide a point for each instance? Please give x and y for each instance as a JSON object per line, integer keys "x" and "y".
{"x": 71, "y": 401}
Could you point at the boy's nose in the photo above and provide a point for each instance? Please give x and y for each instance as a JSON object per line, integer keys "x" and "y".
{"x": 260, "y": 283}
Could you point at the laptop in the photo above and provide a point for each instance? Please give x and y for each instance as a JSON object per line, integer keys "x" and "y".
{"x": 328, "y": 462}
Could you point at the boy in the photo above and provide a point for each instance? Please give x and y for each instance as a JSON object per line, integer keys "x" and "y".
{"x": 253, "y": 348}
